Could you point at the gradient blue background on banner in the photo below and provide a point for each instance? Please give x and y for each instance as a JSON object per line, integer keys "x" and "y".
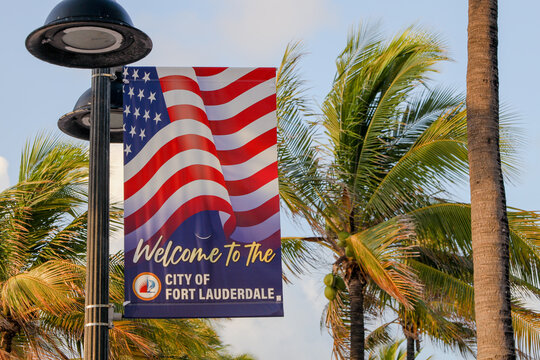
{"x": 237, "y": 275}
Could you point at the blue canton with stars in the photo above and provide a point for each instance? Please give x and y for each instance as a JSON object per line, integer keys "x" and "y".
{"x": 145, "y": 112}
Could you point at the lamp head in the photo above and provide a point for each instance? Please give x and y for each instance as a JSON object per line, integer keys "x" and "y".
{"x": 77, "y": 122}
{"x": 88, "y": 34}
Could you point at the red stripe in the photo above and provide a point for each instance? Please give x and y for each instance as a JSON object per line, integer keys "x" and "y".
{"x": 182, "y": 112}
{"x": 259, "y": 214}
{"x": 167, "y": 151}
{"x": 190, "y": 208}
{"x": 236, "y": 88}
{"x": 272, "y": 242}
{"x": 179, "y": 82}
{"x": 252, "y": 183}
{"x": 172, "y": 185}
{"x": 244, "y": 118}
{"x": 208, "y": 71}
{"x": 249, "y": 150}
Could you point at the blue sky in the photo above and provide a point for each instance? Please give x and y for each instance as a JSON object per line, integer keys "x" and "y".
{"x": 34, "y": 94}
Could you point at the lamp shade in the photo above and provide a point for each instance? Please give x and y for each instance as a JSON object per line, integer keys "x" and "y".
{"x": 88, "y": 34}
{"x": 77, "y": 122}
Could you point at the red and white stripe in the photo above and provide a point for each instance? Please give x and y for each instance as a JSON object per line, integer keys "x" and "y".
{"x": 218, "y": 153}
{"x": 241, "y": 108}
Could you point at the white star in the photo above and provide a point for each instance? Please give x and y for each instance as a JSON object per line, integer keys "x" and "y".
{"x": 123, "y": 89}
{"x": 141, "y": 94}
{"x": 157, "y": 118}
{"x": 126, "y": 110}
{"x": 136, "y": 113}
{"x": 132, "y": 131}
{"x": 135, "y": 74}
{"x": 141, "y": 135}
{"x": 127, "y": 150}
{"x": 152, "y": 97}
{"x": 124, "y": 127}
{"x": 146, "y": 115}
{"x": 130, "y": 92}
{"x": 126, "y": 72}
{"x": 146, "y": 77}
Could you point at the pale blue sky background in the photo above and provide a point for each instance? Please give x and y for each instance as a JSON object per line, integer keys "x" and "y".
{"x": 34, "y": 94}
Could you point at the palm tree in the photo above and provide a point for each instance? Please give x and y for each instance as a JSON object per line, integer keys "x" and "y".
{"x": 389, "y": 149}
{"x": 391, "y": 351}
{"x": 394, "y": 145}
{"x": 446, "y": 268}
{"x": 42, "y": 230}
{"x": 42, "y": 272}
{"x": 489, "y": 219}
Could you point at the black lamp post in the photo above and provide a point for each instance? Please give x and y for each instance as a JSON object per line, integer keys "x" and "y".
{"x": 93, "y": 34}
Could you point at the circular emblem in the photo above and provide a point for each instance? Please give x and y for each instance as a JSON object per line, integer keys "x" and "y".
{"x": 146, "y": 286}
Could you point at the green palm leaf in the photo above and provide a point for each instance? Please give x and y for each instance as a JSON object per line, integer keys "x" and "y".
{"x": 379, "y": 254}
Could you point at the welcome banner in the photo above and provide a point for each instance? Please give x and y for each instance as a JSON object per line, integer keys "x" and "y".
{"x": 201, "y": 221}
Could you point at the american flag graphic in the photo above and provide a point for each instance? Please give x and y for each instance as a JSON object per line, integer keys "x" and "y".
{"x": 198, "y": 139}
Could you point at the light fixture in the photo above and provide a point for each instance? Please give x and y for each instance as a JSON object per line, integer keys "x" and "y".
{"x": 88, "y": 34}
{"x": 77, "y": 123}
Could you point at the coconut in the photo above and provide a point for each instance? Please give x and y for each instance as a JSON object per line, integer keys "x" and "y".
{"x": 329, "y": 280}
{"x": 330, "y": 293}
{"x": 340, "y": 283}
{"x": 349, "y": 252}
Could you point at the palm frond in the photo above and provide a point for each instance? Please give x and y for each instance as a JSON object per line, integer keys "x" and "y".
{"x": 297, "y": 161}
{"x": 526, "y": 324}
{"x": 380, "y": 253}
{"x": 43, "y": 288}
{"x": 298, "y": 255}
{"x": 437, "y": 157}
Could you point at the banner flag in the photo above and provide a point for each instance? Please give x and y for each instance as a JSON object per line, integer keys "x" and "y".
{"x": 201, "y": 203}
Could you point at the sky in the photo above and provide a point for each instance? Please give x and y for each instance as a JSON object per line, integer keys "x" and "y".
{"x": 34, "y": 94}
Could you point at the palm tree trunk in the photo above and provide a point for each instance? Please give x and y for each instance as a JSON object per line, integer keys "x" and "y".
{"x": 356, "y": 291}
{"x": 411, "y": 353}
{"x": 7, "y": 340}
{"x": 11, "y": 330}
{"x": 490, "y": 235}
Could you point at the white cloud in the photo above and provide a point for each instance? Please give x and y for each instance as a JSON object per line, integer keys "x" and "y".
{"x": 4, "y": 178}
{"x": 258, "y": 29}
{"x": 235, "y": 32}
{"x": 295, "y": 336}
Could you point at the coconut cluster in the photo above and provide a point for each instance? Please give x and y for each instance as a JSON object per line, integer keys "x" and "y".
{"x": 334, "y": 283}
{"x": 342, "y": 242}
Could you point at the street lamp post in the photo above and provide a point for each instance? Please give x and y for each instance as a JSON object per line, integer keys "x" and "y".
{"x": 93, "y": 34}
{"x": 96, "y": 314}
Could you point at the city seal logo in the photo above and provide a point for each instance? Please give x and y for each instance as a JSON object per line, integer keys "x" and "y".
{"x": 146, "y": 286}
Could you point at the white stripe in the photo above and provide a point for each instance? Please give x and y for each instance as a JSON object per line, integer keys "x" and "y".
{"x": 223, "y": 216}
{"x": 171, "y": 167}
{"x": 171, "y": 71}
{"x": 251, "y": 166}
{"x": 241, "y": 102}
{"x": 180, "y": 197}
{"x": 256, "y": 198}
{"x": 166, "y": 134}
{"x": 257, "y": 232}
{"x": 221, "y": 80}
{"x": 247, "y": 133}
{"x": 183, "y": 97}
